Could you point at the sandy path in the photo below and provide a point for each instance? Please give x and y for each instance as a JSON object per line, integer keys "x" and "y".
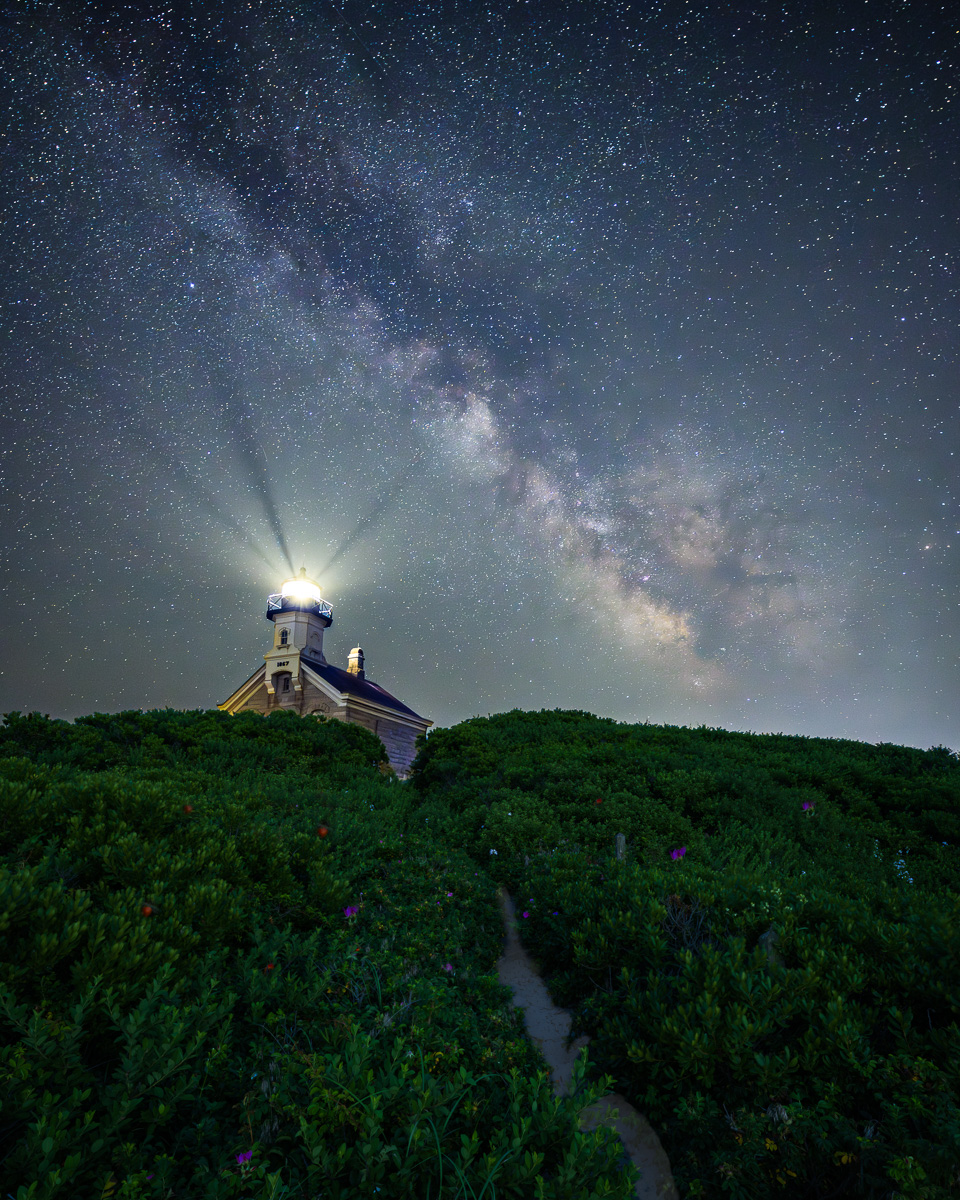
{"x": 549, "y": 1026}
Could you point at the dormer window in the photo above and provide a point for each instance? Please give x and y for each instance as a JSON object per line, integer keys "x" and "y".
{"x": 284, "y": 636}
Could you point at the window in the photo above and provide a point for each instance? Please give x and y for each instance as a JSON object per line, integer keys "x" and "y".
{"x": 284, "y": 636}
{"x": 286, "y": 683}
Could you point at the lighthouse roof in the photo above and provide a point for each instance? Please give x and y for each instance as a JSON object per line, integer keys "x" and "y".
{"x": 363, "y": 689}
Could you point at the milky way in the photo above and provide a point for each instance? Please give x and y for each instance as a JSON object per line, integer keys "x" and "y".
{"x": 596, "y": 356}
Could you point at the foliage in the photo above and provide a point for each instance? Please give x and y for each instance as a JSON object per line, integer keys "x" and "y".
{"x": 239, "y": 959}
{"x": 212, "y": 741}
{"x": 824, "y": 1063}
{"x": 847, "y": 1032}
{"x": 228, "y": 969}
{"x": 532, "y": 781}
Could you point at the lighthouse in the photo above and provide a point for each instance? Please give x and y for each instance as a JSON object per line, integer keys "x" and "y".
{"x": 296, "y": 675}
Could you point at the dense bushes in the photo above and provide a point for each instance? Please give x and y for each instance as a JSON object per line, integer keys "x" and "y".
{"x": 530, "y": 780}
{"x": 213, "y": 741}
{"x": 229, "y": 969}
{"x": 758, "y": 975}
{"x": 238, "y": 958}
{"x": 846, "y": 1030}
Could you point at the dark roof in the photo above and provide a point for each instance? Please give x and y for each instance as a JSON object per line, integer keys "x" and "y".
{"x": 364, "y": 689}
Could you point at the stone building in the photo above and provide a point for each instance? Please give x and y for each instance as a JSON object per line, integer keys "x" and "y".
{"x": 296, "y": 675}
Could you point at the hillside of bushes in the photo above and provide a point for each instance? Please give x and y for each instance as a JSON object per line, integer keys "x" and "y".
{"x": 771, "y": 972}
{"x": 239, "y": 958}
{"x": 228, "y": 969}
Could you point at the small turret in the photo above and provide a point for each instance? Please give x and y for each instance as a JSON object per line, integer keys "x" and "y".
{"x": 355, "y": 663}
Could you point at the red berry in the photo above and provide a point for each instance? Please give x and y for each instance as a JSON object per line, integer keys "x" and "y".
{"x": 269, "y": 966}
{"x": 146, "y": 910}
{"x": 323, "y": 831}
{"x": 188, "y": 808}
{"x": 599, "y": 801}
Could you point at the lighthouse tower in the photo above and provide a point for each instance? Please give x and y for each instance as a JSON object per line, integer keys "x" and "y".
{"x": 299, "y": 615}
{"x": 296, "y": 675}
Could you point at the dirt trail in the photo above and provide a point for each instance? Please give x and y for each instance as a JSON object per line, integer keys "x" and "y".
{"x": 549, "y": 1026}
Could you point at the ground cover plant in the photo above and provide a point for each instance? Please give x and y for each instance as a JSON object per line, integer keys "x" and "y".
{"x": 238, "y": 958}
{"x": 833, "y": 1070}
{"x": 759, "y": 974}
{"x": 234, "y": 963}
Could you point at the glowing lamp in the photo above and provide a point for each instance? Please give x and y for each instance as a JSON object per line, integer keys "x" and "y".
{"x": 300, "y": 595}
{"x": 301, "y": 590}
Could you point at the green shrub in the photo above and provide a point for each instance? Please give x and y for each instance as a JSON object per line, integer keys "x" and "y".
{"x": 200, "y": 994}
{"x": 238, "y": 959}
{"x": 856, "y": 1029}
{"x": 664, "y": 786}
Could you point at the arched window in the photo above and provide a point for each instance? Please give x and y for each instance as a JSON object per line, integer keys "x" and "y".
{"x": 284, "y": 636}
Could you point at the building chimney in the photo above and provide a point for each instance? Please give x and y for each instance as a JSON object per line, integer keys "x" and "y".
{"x": 355, "y": 663}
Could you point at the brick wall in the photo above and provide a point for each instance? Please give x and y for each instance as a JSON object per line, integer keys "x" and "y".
{"x": 315, "y": 701}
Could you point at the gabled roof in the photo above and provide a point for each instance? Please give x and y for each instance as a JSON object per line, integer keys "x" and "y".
{"x": 364, "y": 689}
{"x": 257, "y": 677}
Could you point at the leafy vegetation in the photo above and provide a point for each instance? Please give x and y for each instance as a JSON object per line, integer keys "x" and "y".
{"x": 241, "y": 959}
{"x": 229, "y": 970}
{"x": 759, "y": 974}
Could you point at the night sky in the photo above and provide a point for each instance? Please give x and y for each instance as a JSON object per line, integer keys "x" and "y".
{"x": 591, "y": 355}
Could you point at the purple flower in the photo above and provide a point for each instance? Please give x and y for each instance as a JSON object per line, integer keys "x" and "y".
{"x": 447, "y": 967}
{"x": 806, "y": 805}
{"x": 242, "y": 1158}
{"x": 675, "y": 854}
{"x": 526, "y": 914}
{"x": 351, "y": 911}
{"x": 449, "y": 893}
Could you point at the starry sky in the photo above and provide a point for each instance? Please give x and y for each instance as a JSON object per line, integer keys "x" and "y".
{"x": 590, "y": 354}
